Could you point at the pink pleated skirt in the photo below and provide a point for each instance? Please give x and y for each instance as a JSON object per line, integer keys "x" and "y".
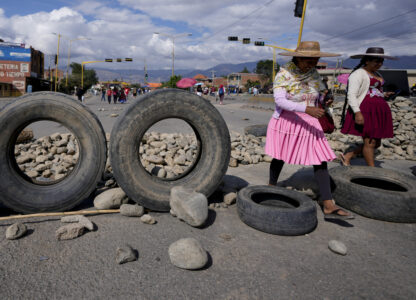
{"x": 297, "y": 138}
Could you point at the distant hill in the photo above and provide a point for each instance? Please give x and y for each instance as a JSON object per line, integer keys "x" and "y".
{"x": 403, "y": 62}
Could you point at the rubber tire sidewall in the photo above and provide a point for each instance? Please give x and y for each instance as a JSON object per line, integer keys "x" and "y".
{"x": 275, "y": 220}
{"x": 256, "y": 130}
{"x": 386, "y": 205}
{"x": 24, "y": 196}
{"x": 148, "y": 190}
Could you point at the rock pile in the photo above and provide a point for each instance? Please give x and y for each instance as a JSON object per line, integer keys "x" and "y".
{"x": 168, "y": 155}
{"x": 48, "y": 158}
{"x": 401, "y": 146}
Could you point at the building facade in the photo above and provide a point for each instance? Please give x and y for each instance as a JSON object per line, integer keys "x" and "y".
{"x": 20, "y": 67}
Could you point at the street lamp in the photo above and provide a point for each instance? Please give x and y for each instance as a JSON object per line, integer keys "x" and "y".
{"x": 69, "y": 51}
{"x": 57, "y": 57}
{"x": 173, "y": 37}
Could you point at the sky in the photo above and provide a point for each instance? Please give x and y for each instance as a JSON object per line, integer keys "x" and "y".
{"x": 100, "y": 29}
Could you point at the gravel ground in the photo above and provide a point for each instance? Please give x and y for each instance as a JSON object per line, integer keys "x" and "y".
{"x": 244, "y": 263}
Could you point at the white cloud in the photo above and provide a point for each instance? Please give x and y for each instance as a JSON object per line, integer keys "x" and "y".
{"x": 126, "y": 29}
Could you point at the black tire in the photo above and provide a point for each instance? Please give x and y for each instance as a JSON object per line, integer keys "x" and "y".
{"x": 376, "y": 193}
{"x": 276, "y": 210}
{"x": 256, "y": 130}
{"x": 211, "y": 132}
{"x": 21, "y": 193}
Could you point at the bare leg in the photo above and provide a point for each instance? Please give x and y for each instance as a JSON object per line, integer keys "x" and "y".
{"x": 346, "y": 158}
{"x": 368, "y": 151}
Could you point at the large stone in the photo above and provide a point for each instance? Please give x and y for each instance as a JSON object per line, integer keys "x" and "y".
{"x": 155, "y": 159}
{"x": 84, "y": 221}
{"x": 148, "y": 219}
{"x": 125, "y": 254}
{"x": 188, "y": 254}
{"x": 131, "y": 210}
{"x": 112, "y": 198}
{"x": 337, "y": 247}
{"x": 70, "y": 231}
{"x": 16, "y": 231}
{"x": 189, "y": 206}
{"x": 230, "y": 198}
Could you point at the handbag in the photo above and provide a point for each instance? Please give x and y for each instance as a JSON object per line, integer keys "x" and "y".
{"x": 326, "y": 121}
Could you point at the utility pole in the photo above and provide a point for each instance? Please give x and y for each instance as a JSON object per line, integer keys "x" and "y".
{"x": 213, "y": 76}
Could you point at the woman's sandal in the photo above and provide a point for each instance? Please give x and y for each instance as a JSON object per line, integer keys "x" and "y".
{"x": 335, "y": 215}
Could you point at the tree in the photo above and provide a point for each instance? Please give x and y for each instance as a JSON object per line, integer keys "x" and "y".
{"x": 245, "y": 70}
{"x": 90, "y": 78}
{"x": 250, "y": 84}
{"x": 265, "y": 67}
{"x": 172, "y": 81}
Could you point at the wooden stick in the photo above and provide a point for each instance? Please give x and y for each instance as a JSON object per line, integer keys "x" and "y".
{"x": 65, "y": 213}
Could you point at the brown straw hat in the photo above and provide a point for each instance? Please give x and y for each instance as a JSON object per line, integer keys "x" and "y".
{"x": 374, "y": 52}
{"x": 309, "y": 49}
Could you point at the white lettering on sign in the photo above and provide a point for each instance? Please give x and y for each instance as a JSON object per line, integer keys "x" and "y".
{"x": 15, "y": 74}
{"x": 19, "y": 84}
{"x": 9, "y": 67}
{"x": 24, "y": 68}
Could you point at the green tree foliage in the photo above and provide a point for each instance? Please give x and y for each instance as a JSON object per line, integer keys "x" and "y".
{"x": 250, "y": 84}
{"x": 245, "y": 70}
{"x": 172, "y": 81}
{"x": 265, "y": 67}
{"x": 90, "y": 78}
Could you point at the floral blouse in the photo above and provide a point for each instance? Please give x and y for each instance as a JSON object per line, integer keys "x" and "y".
{"x": 300, "y": 87}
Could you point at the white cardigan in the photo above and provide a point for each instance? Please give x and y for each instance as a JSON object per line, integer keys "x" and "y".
{"x": 358, "y": 85}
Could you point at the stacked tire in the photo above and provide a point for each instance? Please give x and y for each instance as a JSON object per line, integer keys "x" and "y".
{"x": 21, "y": 193}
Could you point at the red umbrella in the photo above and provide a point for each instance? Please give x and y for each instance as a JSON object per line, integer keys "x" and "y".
{"x": 185, "y": 83}
{"x": 343, "y": 78}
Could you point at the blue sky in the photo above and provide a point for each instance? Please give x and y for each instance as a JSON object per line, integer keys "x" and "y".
{"x": 125, "y": 28}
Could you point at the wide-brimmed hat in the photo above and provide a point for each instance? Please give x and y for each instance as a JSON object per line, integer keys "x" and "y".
{"x": 309, "y": 49}
{"x": 374, "y": 52}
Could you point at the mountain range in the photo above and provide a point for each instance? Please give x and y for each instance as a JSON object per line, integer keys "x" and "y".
{"x": 136, "y": 75}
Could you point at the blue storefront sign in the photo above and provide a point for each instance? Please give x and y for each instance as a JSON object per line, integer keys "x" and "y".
{"x": 14, "y": 53}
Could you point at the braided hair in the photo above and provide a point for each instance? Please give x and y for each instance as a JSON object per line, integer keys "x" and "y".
{"x": 362, "y": 63}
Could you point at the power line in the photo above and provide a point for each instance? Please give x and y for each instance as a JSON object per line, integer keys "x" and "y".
{"x": 243, "y": 17}
{"x": 364, "y": 27}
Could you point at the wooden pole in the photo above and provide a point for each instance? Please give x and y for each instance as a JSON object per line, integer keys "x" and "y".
{"x": 65, "y": 213}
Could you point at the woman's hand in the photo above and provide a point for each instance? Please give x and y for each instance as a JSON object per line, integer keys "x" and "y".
{"x": 359, "y": 118}
{"x": 315, "y": 112}
{"x": 388, "y": 94}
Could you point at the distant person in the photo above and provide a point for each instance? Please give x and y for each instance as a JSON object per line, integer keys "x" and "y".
{"x": 109, "y": 94}
{"x": 123, "y": 96}
{"x": 221, "y": 94}
{"x": 103, "y": 94}
{"x": 80, "y": 94}
{"x": 199, "y": 90}
{"x": 115, "y": 95}
{"x": 368, "y": 114}
{"x": 134, "y": 92}
{"x": 325, "y": 82}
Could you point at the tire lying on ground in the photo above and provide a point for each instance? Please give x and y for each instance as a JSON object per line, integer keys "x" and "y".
{"x": 210, "y": 163}
{"x": 376, "y": 193}
{"x": 26, "y": 195}
{"x": 256, "y": 130}
{"x": 276, "y": 210}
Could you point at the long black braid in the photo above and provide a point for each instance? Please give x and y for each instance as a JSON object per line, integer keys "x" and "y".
{"x": 362, "y": 63}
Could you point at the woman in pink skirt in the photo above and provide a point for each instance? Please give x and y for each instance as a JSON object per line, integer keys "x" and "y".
{"x": 294, "y": 134}
{"x": 369, "y": 115}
